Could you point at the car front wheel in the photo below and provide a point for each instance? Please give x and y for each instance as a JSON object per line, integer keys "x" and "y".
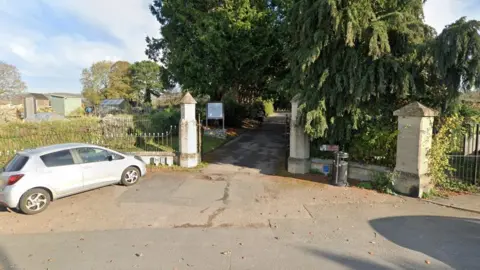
{"x": 130, "y": 176}
{"x": 34, "y": 201}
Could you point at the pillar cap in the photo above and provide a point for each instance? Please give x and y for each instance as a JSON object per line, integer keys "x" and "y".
{"x": 415, "y": 109}
{"x": 296, "y": 98}
{"x": 188, "y": 99}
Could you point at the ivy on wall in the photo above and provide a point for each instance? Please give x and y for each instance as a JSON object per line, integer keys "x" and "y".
{"x": 446, "y": 141}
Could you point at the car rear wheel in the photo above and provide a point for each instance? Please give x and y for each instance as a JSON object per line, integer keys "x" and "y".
{"x": 130, "y": 176}
{"x": 34, "y": 201}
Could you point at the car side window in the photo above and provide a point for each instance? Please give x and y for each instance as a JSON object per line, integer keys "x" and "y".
{"x": 115, "y": 156}
{"x": 16, "y": 163}
{"x": 60, "y": 158}
{"x": 90, "y": 155}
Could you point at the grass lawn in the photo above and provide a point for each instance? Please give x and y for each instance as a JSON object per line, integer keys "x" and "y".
{"x": 211, "y": 143}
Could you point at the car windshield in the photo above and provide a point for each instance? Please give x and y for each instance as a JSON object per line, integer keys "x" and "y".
{"x": 16, "y": 163}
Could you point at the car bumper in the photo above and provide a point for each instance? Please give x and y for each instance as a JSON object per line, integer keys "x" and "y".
{"x": 143, "y": 170}
{"x": 8, "y": 198}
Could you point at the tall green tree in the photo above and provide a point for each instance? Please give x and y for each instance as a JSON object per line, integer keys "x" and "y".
{"x": 95, "y": 81}
{"x": 146, "y": 80}
{"x": 355, "y": 60}
{"x": 218, "y": 47}
{"x": 119, "y": 81}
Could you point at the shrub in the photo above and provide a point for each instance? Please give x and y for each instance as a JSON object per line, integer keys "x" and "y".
{"x": 375, "y": 143}
{"x": 162, "y": 121}
{"x": 268, "y": 107}
{"x": 383, "y": 182}
{"x": 77, "y": 112}
{"x": 444, "y": 142}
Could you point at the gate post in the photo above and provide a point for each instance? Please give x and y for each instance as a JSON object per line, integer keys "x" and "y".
{"x": 188, "y": 133}
{"x": 415, "y": 126}
{"x": 299, "y": 159}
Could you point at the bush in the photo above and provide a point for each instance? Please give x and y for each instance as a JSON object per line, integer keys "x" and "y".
{"x": 375, "y": 143}
{"x": 268, "y": 107}
{"x": 77, "y": 112}
{"x": 383, "y": 182}
{"x": 162, "y": 121}
{"x": 445, "y": 141}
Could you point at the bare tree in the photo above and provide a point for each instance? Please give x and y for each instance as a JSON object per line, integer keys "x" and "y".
{"x": 11, "y": 83}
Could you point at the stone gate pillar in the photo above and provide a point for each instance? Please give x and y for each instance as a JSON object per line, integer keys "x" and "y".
{"x": 299, "y": 158}
{"x": 415, "y": 126}
{"x": 188, "y": 133}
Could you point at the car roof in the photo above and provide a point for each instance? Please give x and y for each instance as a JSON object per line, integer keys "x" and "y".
{"x": 54, "y": 148}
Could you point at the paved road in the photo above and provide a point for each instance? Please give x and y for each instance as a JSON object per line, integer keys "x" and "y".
{"x": 258, "y": 151}
{"x": 234, "y": 215}
{"x": 336, "y": 236}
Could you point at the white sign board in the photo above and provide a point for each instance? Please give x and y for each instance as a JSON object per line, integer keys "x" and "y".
{"x": 215, "y": 111}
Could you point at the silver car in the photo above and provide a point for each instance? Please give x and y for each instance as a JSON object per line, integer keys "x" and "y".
{"x": 35, "y": 177}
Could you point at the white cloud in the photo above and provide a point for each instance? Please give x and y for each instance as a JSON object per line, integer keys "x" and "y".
{"x": 439, "y": 13}
{"x": 42, "y": 57}
{"x": 129, "y": 21}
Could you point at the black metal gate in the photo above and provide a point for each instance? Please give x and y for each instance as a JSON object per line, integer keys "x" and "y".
{"x": 466, "y": 163}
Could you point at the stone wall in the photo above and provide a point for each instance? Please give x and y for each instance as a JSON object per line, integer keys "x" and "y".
{"x": 356, "y": 171}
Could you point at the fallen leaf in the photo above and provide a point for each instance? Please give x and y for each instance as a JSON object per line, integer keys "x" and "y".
{"x": 427, "y": 261}
{"x": 276, "y": 237}
{"x": 139, "y": 254}
{"x": 226, "y": 252}
{"x": 371, "y": 253}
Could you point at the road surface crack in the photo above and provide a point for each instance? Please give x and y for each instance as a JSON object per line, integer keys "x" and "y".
{"x": 209, "y": 223}
{"x": 226, "y": 194}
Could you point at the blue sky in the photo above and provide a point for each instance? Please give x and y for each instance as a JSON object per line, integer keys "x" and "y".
{"x": 50, "y": 41}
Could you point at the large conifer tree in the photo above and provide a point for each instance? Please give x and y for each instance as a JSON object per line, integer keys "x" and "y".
{"x": 352, "y": 60}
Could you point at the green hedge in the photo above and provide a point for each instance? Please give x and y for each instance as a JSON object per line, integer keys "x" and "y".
{"x": 375, "y": 143}
{"x": 126, "y": 133}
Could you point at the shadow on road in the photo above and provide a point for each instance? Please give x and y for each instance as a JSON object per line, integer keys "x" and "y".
{"x": 454, "y": 241}
{"x": 351, "y": 262}
{"x": 5, "y": 262}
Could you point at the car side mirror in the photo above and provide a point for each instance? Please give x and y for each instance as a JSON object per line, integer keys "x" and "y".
{"x": 110, "y": 158}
